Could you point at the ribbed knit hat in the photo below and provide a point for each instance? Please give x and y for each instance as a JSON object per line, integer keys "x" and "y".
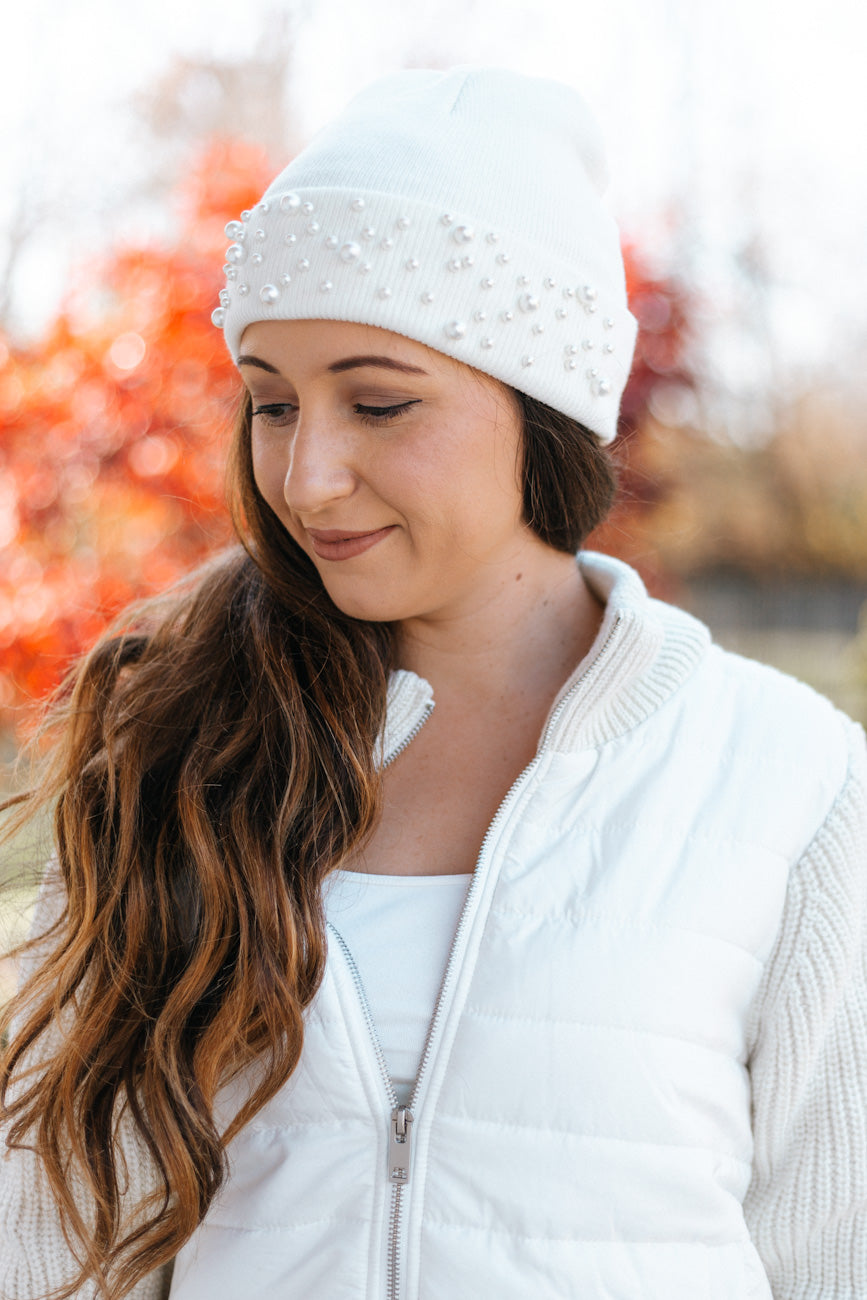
{"x": 462, "y": 209}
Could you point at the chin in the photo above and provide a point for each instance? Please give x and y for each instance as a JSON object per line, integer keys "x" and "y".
{"x": 370, "y": 606}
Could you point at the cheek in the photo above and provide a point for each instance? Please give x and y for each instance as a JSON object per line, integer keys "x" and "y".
{"x": 268, "y": 471}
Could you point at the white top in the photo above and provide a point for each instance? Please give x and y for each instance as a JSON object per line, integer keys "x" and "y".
{"x": 399, "y": 930}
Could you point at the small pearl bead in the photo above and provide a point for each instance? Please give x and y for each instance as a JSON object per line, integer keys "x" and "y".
{"x": 285, "y": 279}
{"x": 570, "y": 363}
{"x": 236, "y": 254}
{"x": 402, "y": 223}
{"x": 609, "y": 322}
{"x": 507, "y": 316}
{"x": 487, "y": 343}
{"x": 523, "y": 281}
{"x": 265, "y": 205}
{"x": 290, "y": 239}
{"x": 570, "y": 350}
{"x": 526, "y": 361}
{"x": 467, "y": 262}
{"x": 233, "y": 229}
{"x": 225, "y": 297}
{"x": 304, "y": 265}
{"x": 386, "y": 244}
{"x": 453, "y": 264}
{"x": 331, "y": 241}
{"x": 492, "y": 237}
{"x": 368, "y": 233}
{"x": 550, "y": 282}
{"x": 568, "y": 293}
{"x": 256, "y": 259}
{"x": 218, "y": 317}
{"x": 307, "y": 207}
{"x": 350, "y": 252}
{"x": 608, "y": 347}
{"x": 561, "y": 313}
{"x": 243, "y": 290}
{"x": 538, "y": 328}
{"x": 487, "y": 283}
{"x": 364, "y": 268}
{"x": 246, "y": 214}
{"x": 503, "y": 258}
{"x": 313, "y": 227}
{"x": 427, "y": 298}
{"x": 357, "y": 205}
{"x": 259, "y": 235}
{"x": 325, "y": 286}
{"x": 528, "y": 302}
{"x": 463, "y": 234}
{"x": 412, "y": 264}
{"x": 290, "y": 203}
{"x": 447, "y": 218}
{"x": 269, "y": 293}
{"x": 604, "y": 387}
{"x": 384, "y": 292}
{"x": 456, "y": 329}
{"x": 479, "y": 316}
{"x": 587, "y": 345}
{"x": 231, "y": 272}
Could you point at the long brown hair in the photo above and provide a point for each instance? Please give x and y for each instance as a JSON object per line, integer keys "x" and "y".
{"x": 212, "y": 760}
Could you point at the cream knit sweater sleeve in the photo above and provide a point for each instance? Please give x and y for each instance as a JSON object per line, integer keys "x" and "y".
{"x": 807, "y": 1204}
{"x": 34, "y": 1256}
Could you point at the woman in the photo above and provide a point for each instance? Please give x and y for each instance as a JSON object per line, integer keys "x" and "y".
{"x": 555, "y": 989}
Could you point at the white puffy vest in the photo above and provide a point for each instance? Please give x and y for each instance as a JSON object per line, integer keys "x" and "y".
{"x": 580, "y": 1126}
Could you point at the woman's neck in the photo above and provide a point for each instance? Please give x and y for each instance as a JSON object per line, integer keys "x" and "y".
{"x": 524, "y": 628}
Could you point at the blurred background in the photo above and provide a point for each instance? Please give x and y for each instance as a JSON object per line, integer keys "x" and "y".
{"x": 734, "y": 134}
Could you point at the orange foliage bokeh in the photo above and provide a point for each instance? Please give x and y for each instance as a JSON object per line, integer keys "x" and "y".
{"x": 113, "y": 431}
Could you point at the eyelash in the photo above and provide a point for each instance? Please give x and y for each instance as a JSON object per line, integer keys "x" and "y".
{"x": 368, "y": 414}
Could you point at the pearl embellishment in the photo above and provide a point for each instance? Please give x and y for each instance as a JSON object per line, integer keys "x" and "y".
{"x": 456, "y": 329}
{"x": 218, "y": 317}
{"x": 269, "y": 293}
{"x": 290, "y": 203}
{"x": 350, "y": 252}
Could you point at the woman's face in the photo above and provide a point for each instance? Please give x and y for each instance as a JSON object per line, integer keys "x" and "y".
{"x": 395, "y": 468}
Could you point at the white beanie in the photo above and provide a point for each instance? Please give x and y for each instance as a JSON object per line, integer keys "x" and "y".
{"x": 461, "y": 209}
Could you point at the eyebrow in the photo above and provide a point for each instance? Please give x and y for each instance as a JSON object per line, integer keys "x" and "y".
{"x": 348, "y": 363}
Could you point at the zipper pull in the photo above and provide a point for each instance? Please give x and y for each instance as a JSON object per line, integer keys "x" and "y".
{"x": 399, "y": 1144}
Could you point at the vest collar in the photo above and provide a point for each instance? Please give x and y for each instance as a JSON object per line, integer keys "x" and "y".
{"x": 643, "y": 652}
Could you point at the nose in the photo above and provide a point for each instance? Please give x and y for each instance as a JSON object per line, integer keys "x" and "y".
{"x": 320, "y": 470}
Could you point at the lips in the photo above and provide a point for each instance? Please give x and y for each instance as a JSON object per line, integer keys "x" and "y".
{"x": 345, "y": 543}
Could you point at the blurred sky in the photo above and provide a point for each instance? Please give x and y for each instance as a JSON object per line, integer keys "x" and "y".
{"x": 735, "y": 134}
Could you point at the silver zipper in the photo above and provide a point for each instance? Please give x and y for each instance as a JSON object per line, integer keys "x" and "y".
{"x": 498, "y": 817}
{"x": 402, "y": 1117}
{"x": 399, "y": 1129}
{"x": 407, "y": 740}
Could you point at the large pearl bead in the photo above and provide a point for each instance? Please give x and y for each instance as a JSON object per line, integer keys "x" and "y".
{"x": 269, "y": 293}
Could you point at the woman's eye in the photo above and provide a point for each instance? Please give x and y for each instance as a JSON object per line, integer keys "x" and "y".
{"x": 372, "y": 414}
{"x": 274, "y": 412}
